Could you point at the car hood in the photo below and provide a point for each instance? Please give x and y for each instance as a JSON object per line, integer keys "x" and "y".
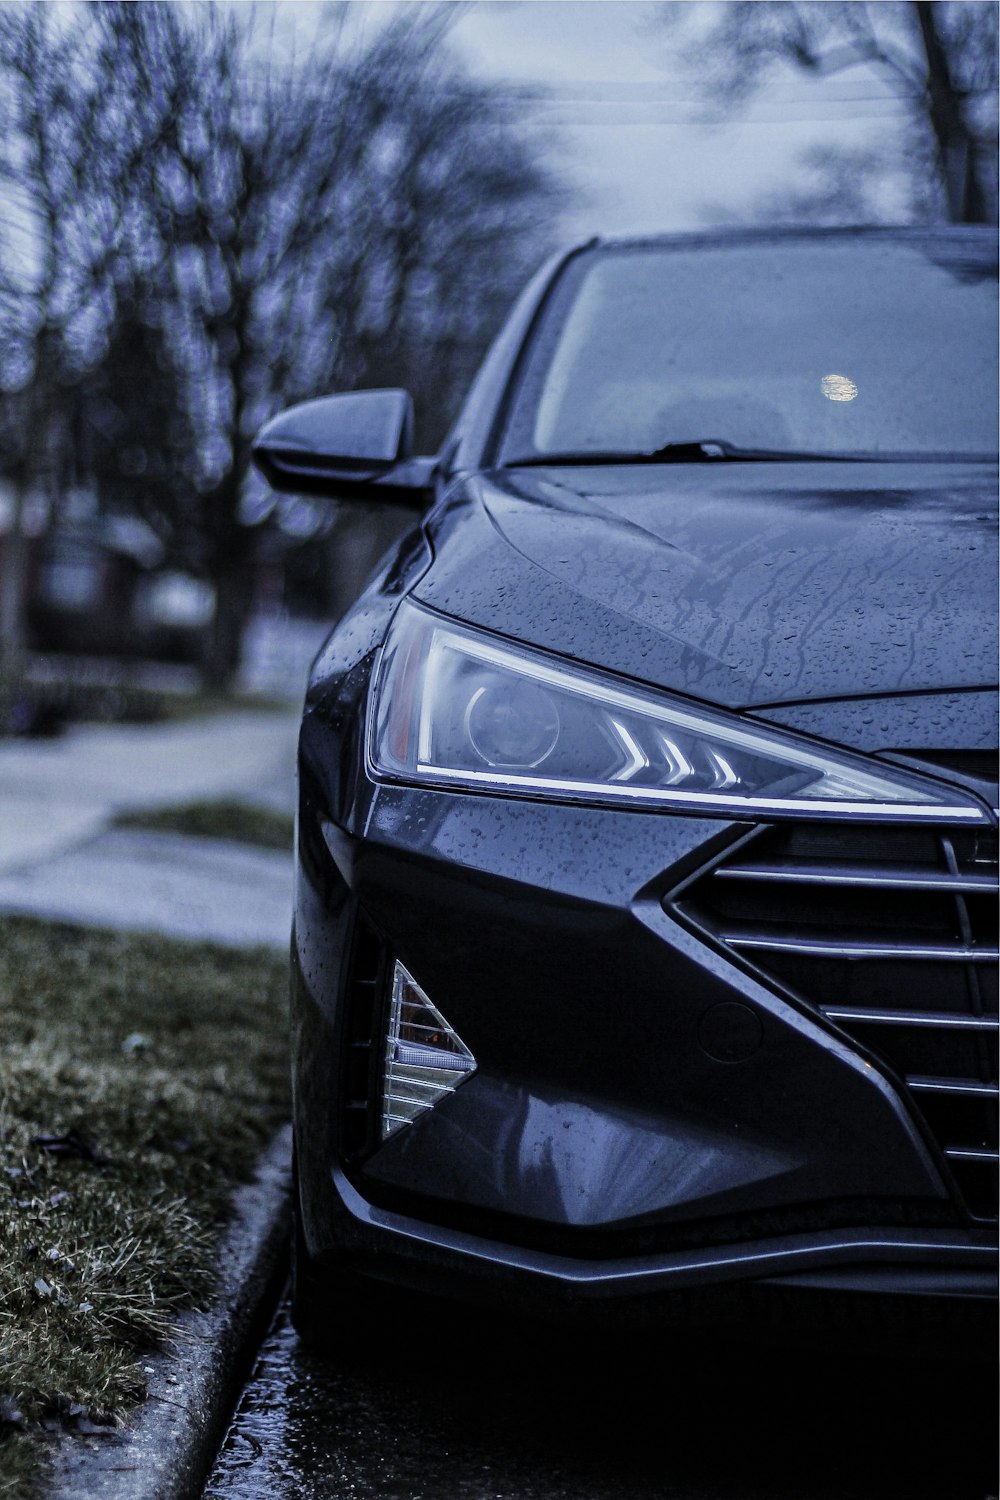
{"x": 747, "y": 584}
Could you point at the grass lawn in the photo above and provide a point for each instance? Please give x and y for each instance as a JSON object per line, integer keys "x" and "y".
{"x": 139, "y": 1078}
{"x": 218, "y": 820}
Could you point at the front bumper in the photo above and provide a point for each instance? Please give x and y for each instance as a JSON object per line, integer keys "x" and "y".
{"x": 646, "y": 1114}
{"x": 924, "y": 1263}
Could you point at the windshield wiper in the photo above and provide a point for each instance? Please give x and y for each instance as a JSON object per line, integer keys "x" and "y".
{"x": 699, "y": 451}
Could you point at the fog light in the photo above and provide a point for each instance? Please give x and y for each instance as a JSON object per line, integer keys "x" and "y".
{"x": 425, "y": 1058}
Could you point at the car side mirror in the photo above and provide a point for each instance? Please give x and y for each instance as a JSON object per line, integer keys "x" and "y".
{"x": 356, "y": 446}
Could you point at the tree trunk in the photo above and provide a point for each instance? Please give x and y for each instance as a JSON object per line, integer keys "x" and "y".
{"x": 222, "y": 653}
{"x": 13, "y": 585}
{"x": 961, "y": 160}
{"x": 14, "y": 546}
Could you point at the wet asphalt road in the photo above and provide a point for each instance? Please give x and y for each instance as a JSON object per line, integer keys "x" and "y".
{"x": 463, "y": 1407}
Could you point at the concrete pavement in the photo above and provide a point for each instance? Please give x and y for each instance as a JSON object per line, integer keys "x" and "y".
{"x": 128, "y": 878}
{"x": 60, "y": 857}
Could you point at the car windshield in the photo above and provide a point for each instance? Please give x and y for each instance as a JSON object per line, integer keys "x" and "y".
{"x": 852, "y": 346}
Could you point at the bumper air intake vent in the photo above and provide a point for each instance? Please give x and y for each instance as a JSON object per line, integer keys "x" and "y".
{"x": 363, "y": 1024}
{"x": 891, "y": 934}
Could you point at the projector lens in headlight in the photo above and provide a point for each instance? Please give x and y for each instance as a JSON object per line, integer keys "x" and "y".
{"x": 515, "y": 725}
{"x": 456, "y": 707}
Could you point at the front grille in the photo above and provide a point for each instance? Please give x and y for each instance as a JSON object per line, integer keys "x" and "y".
{"x": 892, "y": 935}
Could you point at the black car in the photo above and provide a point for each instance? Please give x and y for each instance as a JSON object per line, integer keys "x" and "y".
{"x": 646, "y": 926}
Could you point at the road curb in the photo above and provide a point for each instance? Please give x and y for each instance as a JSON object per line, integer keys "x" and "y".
{"x": 194, "y": 1384}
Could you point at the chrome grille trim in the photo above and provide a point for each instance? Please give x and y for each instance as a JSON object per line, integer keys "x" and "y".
{"x": 847, "y": 875}
{"x": 402, "y": 1080}
{"x": 939, "y": 1019}
{"x": 952, "y": 1086}
{"x": 820, "y": 948}
{"x": 401, "y": 1098}
{"x": 416, "y": 1055}
{"x": 891, "y": 936}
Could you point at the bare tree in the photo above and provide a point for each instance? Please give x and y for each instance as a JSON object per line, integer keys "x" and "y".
{"x": 939, "y": 56}
{"x": 226, "y": 209}
{"x": 454, "y": 212}
{"x": 61, "y": 168}
{"x": 303, "y": 221}
{"x": 211, "y": 227}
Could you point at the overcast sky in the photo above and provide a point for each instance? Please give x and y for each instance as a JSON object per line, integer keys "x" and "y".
{"x": 626, "y": 113}
{"x": 623, "y": 119}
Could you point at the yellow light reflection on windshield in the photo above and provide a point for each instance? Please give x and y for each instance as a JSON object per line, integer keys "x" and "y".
{"x": 838, "y": 388}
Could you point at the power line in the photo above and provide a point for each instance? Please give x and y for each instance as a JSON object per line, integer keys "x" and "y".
{"x": 612, "y": 90}
{"x": 894, "y": 107}
{"x": 734, "y": 120}
{"x": 627, "y": 95}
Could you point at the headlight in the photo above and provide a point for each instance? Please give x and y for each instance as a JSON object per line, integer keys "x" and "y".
{"x": 457, "y": 708}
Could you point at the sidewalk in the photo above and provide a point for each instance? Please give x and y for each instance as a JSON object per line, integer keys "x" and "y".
{"x": 61, "y": 858}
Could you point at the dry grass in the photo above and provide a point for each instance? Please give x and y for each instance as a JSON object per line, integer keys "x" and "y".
{"x": 139, "y": 1078}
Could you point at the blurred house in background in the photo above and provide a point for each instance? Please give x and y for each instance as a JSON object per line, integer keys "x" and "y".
{"x": 98, "y": 585}
{"x": 99, "y": 588}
